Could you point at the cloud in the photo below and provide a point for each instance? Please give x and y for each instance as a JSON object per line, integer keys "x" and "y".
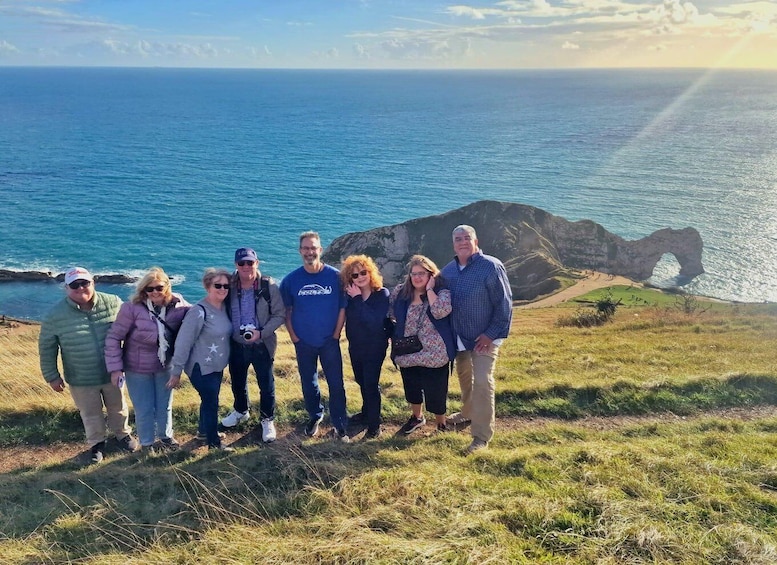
{"x": 466, "y": 11}
{"x": 430, "y": 49}
{"x": 7, "y": 48}
{"x": 570, "y": 45}
{"x": 360, "y": 51}
{"x": 145, "y": 49}
{"x": 60, "y": 20}
{"x": 259, "y": 53}
{"x": 675, "y": 12}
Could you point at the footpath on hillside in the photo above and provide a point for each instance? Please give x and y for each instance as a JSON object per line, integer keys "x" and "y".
{"x": 592, "y": 280}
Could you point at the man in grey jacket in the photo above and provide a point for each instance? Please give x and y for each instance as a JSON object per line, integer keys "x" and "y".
{"x": 256, "y": 309}
{"x": 76, "y": 327}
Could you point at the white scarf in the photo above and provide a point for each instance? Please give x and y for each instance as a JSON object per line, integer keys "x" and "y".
{"x": 161, "y": 331}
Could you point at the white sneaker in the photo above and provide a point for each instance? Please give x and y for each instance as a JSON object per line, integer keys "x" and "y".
{"x": 268, "y": 430}
{"x": 457, "y": 419}
{"x": 234, "y": 418}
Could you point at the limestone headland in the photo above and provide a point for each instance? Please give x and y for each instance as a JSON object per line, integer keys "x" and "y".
{"x": 537, "y": 248}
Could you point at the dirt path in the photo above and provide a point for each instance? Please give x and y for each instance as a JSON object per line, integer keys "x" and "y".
{"x": 34, "y": 456}
{"x": 592, "y": 281}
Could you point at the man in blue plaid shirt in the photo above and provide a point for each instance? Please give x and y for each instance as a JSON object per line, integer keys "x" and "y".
{"x": 482, "y": 313}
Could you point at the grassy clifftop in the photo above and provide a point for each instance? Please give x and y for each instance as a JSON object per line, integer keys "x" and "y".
{"x": 650, "y": 439}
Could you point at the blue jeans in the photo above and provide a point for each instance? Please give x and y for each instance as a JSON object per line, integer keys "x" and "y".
{"x": 208, "y": 386}
{"x": 332, "y": 363}
{"x": 240, "y": 358}
{"x": 153, "y": 405}
{"x": 366, "y": 370}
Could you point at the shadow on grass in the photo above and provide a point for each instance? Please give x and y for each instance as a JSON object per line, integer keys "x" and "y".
{"x": 132, "y": 501}
{"x": 626, "y": 398}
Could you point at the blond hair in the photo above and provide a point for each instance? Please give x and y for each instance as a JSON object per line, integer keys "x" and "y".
{"x": 154, "y": 274}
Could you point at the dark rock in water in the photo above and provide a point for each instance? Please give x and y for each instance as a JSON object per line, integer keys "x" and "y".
{"x": 8, "y": 276}
{"x": 535, "y": 246}
{"x": 38, "y": 276}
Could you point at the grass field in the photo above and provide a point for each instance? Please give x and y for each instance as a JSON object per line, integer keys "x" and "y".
{"x": 651, "y": 439}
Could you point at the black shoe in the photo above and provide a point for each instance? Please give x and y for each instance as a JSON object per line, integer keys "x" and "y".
{"x": 311, "y": 429}
{"x": 341, "y": 435}
{"x": 128, "y": 443}
{"x": 220, "y": 447}
{"x": 442, "y": 428}
{"x": 372, "y": 433}
{"x": 357, "y": 418}
{"x": 413, "y": 424}
{"x": 98, "y": 452}
{"x": 169, "y": 443}
{"x": 202, "y": 437}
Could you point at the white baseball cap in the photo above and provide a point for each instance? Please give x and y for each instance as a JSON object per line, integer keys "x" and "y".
{"x": 78, "y": 274}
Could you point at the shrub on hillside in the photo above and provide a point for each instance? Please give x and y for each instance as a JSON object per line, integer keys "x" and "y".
{"x": 604, "y": 310}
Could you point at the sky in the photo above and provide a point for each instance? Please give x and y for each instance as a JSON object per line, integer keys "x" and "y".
{"x": 389, "y": 34}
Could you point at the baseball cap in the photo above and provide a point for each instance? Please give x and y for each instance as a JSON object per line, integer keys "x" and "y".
{"x": 245, "y": 254}
{"x": 77, "y": 274}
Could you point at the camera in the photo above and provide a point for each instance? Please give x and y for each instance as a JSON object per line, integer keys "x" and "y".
{"x": 247, "y": 331}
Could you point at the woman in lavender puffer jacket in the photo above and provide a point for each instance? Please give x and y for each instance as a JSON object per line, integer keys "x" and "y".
{"x": 139, "y": 348}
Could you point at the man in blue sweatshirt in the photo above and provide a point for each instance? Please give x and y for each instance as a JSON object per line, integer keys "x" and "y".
{"x": 482, "y": 313}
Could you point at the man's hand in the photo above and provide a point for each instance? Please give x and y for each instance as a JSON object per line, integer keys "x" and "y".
{"x": 257, "y": 335}
{"x": 173, "y": 382}
{"x": 483, "y": 343}
{"x": 57, "y": 385}
{"x": 115, "y": 376}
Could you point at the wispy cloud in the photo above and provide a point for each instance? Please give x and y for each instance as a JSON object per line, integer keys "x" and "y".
{"x": 60, "y": 19}
{"x": 6, "y": 48}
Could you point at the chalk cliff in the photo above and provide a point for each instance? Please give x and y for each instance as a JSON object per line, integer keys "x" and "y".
{"x": 535, "y": 246}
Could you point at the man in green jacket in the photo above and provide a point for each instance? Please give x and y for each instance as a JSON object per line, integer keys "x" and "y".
{"x": 76, "y": 327}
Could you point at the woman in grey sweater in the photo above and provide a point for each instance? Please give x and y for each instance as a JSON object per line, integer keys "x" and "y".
{"x": 202, "y": 350}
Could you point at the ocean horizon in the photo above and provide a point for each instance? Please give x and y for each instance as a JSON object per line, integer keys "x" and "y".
{"x": 119, "y": 170}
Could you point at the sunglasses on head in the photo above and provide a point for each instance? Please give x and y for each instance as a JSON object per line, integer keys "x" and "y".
{"x": 150, "y": 289}
{"x": 244, "y": 263}
{"x": 79, "y": 284}
{"x": 219, "y": 286}
{"x": 359, "y": 274}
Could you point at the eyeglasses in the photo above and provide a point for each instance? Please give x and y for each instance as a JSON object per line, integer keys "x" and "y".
{"x": 150, "y": 289}
{"x": 419, "y": 275}
{"x": 244, "y": 263}
{"x": 219, "y": 286}
{"x": 79, "y": 284}
{"x": 355, "y": 276}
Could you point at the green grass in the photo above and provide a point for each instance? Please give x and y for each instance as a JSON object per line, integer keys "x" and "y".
{"x": 611, "y": 448}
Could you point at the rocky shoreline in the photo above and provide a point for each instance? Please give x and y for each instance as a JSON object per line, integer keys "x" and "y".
{"x": 47, "y": 276}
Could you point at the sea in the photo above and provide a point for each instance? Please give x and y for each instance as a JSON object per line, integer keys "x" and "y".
{"x": 121, "y": 169}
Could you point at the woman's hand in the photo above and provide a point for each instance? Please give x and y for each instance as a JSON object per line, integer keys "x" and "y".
{"x": 173, "y": 382}
{"x": 430, "y": 284}
{"x": 353, "y": 291}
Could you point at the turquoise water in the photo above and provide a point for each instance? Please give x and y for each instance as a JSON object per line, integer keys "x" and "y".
{"x": 122, "y": 169}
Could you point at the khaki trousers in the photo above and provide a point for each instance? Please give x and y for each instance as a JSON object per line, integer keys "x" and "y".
{"x": 90, "y": 401}
{"x": 478, "y": 388}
